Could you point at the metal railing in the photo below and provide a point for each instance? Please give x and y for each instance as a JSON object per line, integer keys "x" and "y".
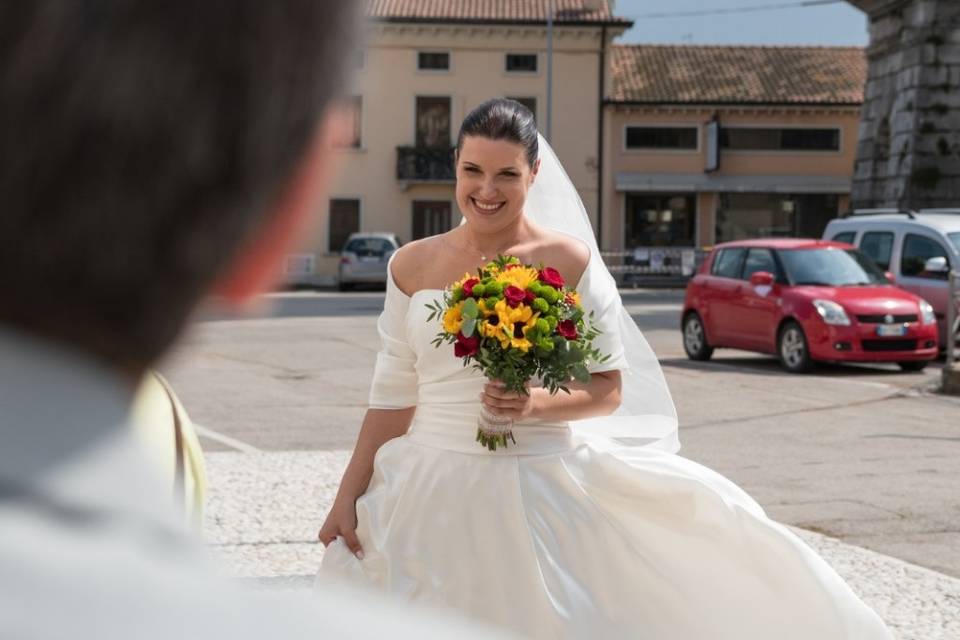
{"x": 641, "y": 266}
{"x": 420, "y": 164}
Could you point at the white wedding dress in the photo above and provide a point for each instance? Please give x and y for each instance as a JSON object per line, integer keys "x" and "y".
{"x": 561, "y": 536}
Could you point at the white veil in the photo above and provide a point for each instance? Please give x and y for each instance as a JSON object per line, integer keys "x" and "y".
{"x": 647, "y": 416}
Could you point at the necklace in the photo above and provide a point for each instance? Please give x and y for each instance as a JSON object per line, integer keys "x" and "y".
{"x": 483, "y": 254}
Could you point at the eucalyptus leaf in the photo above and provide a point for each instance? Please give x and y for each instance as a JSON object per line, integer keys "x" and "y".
{"x": 470, "y": 309}
{"x": 469, "y": 326}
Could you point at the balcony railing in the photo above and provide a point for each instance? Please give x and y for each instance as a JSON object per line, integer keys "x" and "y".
{"x": 418, "y": 164}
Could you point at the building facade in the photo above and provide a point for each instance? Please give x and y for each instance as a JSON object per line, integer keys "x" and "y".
{"x": 422, "y": 69}
{"x": 668, "y": 146}
{"x": 715, "y": 143}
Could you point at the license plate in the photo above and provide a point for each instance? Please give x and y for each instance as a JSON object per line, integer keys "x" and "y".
{"x": 888, "y": 330}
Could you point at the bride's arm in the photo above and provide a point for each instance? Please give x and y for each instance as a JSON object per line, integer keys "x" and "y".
{"x": 379, "y": 426}
{"x": 599, "y": 397}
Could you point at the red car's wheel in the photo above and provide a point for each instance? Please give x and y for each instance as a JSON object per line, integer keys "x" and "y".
{"x": 793, "y": 349}
{"x": 695, "y": 338}
{"x": 913, "y": 365}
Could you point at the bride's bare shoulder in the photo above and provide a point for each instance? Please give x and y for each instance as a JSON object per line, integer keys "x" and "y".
{"x": 566, "y": 254}
{"x": 407, "y": 263}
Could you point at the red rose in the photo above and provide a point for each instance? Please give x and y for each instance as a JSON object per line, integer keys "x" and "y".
{"x": 469, "y": 285}
{"x": 568, "y": 329}
{"x": 552, "y": 277}
{"x": 529, "y": 298}
{"x": 514, "y": 295}
{"x": 466, "y": 346}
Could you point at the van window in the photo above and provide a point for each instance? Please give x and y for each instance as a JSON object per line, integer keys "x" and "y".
{"x": 878, "y": 245}
{"x": 728, "y": 263}
{"x": 916, "y": 251}
{"x": 845, "y": 236}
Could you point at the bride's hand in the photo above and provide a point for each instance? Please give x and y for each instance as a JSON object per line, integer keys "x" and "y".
{"x": 342, "y": 522}
{"x": 511, "y": 404}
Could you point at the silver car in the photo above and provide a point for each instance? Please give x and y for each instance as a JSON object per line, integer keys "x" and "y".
{"x": 919, "y": 248}
{"x": 364, "y": 258}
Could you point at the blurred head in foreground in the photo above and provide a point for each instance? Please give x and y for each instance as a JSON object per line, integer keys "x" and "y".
{"x": 155, "y": 152}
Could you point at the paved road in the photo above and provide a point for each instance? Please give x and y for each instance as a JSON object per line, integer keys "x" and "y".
{"x": 865, "y": 454}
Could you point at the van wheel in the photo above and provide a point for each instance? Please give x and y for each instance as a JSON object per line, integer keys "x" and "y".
{"x": 793, "y": 349}
{"x": 695, "y": 338}
{"x": 344, "y": 286}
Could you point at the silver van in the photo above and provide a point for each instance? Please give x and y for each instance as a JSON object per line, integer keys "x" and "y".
{"x": 917, "y": 248}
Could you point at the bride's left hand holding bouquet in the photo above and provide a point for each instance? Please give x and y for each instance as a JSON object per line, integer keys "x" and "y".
{"x": 515, "y": 322}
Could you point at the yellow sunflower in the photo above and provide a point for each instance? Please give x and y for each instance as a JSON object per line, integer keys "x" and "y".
{"x": 453, "y": 319}
{"x": 509, "y": 319}
{"x": 521, "y": 277}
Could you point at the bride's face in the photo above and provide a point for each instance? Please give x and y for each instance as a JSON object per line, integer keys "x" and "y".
{"x": 493, "y": 178}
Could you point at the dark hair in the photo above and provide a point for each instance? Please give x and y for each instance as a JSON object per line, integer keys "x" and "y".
{"x": 143, "y": 143}
{"x": 502, "y": 119}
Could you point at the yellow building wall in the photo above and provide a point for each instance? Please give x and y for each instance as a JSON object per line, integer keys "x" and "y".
{"x": 390, "y": 82}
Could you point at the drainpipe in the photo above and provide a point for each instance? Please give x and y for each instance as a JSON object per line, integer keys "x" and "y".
{"x": 600, "y": 98}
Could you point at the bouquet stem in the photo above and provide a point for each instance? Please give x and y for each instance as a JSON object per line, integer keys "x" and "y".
{"x": 494, "y": 431}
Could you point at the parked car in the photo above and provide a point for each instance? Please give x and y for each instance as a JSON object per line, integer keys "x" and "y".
{"x": 364, "y": 258}
{"x": 917, "y": 247}
{"x": 805, "y": 301}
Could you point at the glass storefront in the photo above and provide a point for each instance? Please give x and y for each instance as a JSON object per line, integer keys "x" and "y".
{"x": 766, "y": 215}
{"x": 660, "y": 220}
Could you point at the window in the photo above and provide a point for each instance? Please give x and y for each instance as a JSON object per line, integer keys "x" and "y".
{"x": 433, "y": 123}
{"x": 846, "y": 236}
{"x": 773, "y": 139}
{"x": 767, "y": 215}
{"x": 659, "y": 220}
{"x": 344, "y": 220}
{"x": 662, "y": 138}
{"x": 522, "y": 62}
{"x": 351, "y": 136}
{"x": 916, "y": 251}
{"x": 955, "y": 239}
{"x": 529, "y": 103}
{"x": 430, "y": 217}
{"x": 760, "y": 260}
{"x": 728, "y": 263}
{"x": 830, "y": 267}
{"x": 878, "y": 245}
{"x": 433, "y": 61}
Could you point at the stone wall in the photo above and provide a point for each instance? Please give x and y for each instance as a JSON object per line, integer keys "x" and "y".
{"x": 908, "y": 153}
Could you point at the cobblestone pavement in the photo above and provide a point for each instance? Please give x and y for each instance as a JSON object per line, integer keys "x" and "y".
{"x": 264, "y": 510}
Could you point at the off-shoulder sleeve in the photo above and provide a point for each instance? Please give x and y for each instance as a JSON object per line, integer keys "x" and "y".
{"x": 598, "y": 294}
{"x": 394, "y": 376}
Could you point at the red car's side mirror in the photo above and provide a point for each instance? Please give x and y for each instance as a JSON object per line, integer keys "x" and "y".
{"x": 761, "y": 279}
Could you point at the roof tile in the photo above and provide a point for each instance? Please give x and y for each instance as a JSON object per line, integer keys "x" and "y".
{"x": 512, "y": 11}
{"x": 737, "y": 74}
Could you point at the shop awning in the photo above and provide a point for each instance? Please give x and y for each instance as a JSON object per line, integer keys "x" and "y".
{"x": 705, "y": 182}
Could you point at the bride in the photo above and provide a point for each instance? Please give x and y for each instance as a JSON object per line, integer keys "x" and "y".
{"x": 590, "y": 526}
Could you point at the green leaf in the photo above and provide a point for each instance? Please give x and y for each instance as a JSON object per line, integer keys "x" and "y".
{"x": 470, "y": 309}
{"x": 580, "y": 373}
{"x": 469, "y": 326}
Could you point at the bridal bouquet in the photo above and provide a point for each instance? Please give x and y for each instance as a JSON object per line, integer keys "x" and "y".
{"x": 514, "y": 322}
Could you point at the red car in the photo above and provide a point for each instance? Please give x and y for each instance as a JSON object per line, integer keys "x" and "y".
{"x": 805, "y": 301}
